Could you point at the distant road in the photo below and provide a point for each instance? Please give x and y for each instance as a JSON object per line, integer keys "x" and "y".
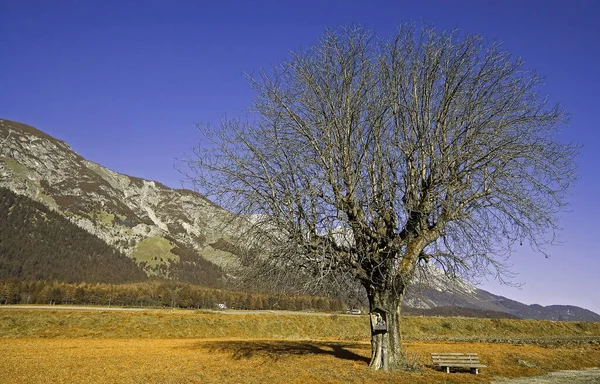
{"x": 71, "y": 307}
{"x": 190, "y": 311}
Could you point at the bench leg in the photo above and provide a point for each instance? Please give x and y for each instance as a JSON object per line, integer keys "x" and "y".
{"x": 477, "y": 371}
{"x": 447, "y": 369}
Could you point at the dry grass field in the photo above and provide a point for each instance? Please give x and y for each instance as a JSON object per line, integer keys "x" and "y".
{"x": 41, "y": 346}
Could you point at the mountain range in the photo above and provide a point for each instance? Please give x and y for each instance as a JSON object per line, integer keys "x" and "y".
{"x": 140, "y": 228}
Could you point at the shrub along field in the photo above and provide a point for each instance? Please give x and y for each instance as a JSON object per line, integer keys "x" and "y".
{"x": 166, "y": 346}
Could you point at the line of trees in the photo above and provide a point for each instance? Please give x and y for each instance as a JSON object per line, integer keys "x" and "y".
{"x": 155, "y": 294}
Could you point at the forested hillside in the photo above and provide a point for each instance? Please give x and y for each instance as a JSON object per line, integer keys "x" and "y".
{"x": 39, "y": 244}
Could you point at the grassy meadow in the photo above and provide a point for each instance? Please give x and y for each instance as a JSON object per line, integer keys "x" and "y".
{"x": 166, "y": 346}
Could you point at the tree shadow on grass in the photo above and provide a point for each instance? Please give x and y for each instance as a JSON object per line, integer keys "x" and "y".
{"x": 275, "y": 350}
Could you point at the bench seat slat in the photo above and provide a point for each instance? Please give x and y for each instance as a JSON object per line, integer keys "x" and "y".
{"x": 456, "y": 361}
{"x": 463, "y": 360}
{"x": 463, "y": 365}
{"x": 453, "y": 354}
{"x": 456, "y": 357}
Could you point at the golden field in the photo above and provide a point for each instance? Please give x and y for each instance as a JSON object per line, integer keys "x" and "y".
{"x": 163, "y": 346}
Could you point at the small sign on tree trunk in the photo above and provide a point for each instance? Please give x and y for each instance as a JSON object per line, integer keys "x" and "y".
{"x": 379, "y": 321}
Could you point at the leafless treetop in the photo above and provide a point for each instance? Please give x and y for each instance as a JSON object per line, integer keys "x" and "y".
{"x": 366, "y": 156}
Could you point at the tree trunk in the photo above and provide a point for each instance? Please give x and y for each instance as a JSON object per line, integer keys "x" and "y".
{"x": 386, "y": 346}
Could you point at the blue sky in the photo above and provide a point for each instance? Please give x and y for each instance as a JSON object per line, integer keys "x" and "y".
{"x": 123, "y": 82}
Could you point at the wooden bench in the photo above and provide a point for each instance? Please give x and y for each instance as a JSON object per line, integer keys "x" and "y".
{"x": 457, "y": 360}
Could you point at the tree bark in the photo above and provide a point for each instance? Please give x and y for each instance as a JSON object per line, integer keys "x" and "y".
{"x": 386, "y": 347}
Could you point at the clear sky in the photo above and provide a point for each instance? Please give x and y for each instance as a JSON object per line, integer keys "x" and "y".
{"x": 123, "y": 82}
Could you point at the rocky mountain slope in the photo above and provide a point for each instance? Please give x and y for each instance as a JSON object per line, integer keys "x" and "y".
{"x": 143, "y": 219}
{"x": 179, "y": 234}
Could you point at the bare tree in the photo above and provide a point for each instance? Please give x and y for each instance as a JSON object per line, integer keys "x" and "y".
{"x": 366, "y": 158}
